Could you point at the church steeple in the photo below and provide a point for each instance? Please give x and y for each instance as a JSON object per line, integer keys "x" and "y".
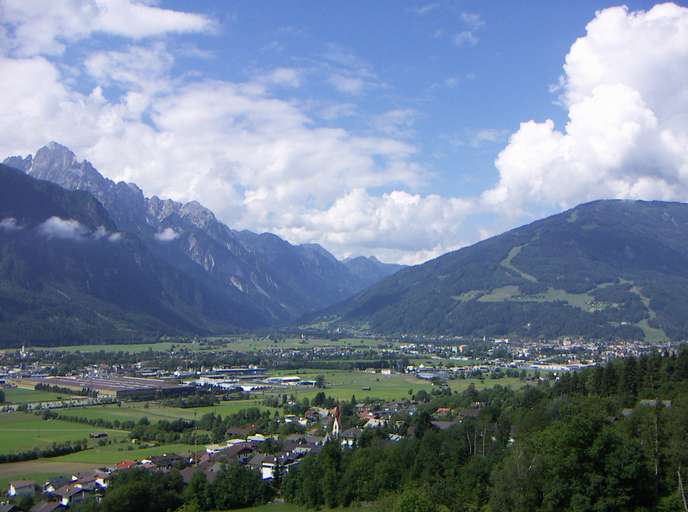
{"x": 337, "y": 423}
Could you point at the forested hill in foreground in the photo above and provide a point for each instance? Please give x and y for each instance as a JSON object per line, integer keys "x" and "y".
{"x": 609, "y": 269}
{"x": 608, "y": 439}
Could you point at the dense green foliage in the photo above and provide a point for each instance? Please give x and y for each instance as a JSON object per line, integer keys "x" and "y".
{"x": 139, "y": 490}
{"x": 604, "y": 269}
{"x": 594, "y": 441}
{"x": 188, "y": 402}
{"x": 234, "y": 487}
{"x": 145, "y": 491}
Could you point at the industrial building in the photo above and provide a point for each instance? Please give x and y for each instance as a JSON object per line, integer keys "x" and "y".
{"x": 124, "y": 388}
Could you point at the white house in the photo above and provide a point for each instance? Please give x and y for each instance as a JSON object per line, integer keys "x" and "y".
{"x": 22, "y": 488}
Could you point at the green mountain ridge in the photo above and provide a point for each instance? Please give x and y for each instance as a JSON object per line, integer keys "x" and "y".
{"x": 608, "y": 269}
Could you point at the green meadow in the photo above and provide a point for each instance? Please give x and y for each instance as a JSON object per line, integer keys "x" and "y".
{"x": 134, "y": 411}
{"x": 23, "y": 431}
{"x": 219, "y": 344}
{"x": 117, "y": 452}
{"x": 24, "y": 396}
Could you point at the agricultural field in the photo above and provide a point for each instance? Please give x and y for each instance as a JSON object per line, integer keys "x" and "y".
{"x": 256, "y": 345}
{"x": 154, "y": 411}
{"x": 23, "y": 431}
{"x": 116, "y": 452}
{"x": 342, "y": 384}
{"x": 133, "y": 348}
{"x": 219, "y": 344}
{"x": 25, "y": 396}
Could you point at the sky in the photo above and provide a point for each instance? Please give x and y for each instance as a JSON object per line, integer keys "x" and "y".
{"x": 397, "y": 129}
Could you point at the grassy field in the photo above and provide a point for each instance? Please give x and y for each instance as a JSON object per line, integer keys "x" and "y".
{"x": 114, "y": 453}
{"x": 134, "y": 411}
{"x": 21, "y": 431}
{"x": 256, "y": 345}
{"x": 342, "y": 384}
{"x": 219, "y": 344}
{"x": 128, "y": 347}
{"x": 24, "y": 396}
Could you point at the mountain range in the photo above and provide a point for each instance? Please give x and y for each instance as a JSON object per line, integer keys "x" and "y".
{"x": 606, "y": 269}
{"x": 83, "y": 258}
{"x": 194, "y": 273}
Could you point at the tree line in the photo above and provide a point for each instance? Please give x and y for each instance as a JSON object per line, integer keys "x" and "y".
{"x": 612, "y": 438}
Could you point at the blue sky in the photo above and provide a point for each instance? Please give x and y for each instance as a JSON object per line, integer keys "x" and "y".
{"x": 387, "y": 128}
{"x": 455, "y": 91}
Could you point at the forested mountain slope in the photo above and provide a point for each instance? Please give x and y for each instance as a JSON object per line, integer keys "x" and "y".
{"x": 609, "y": 268}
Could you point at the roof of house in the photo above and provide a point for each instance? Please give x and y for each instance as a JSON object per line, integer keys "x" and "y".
{"x": 67, "y": 491}
{"x": 22, "y": 483}
{"x": 125, "y": 464}
{"x": 58, "y": 481}
{"x": 209, "y": 469}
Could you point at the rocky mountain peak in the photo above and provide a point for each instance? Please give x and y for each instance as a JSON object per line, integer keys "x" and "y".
{"x": 197, "y": 214}
{"x": 53, "y": 157}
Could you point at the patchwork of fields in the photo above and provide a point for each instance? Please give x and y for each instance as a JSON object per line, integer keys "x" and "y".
{"x": 24, "y": 431}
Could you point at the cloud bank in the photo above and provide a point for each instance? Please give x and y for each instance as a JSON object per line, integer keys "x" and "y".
{"x": 265, "y": 163}
{"x": 71, "y": 229}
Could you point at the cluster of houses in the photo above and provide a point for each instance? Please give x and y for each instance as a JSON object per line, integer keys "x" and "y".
{"x": 248, "y": 450}
{"x": 60, "y": 492}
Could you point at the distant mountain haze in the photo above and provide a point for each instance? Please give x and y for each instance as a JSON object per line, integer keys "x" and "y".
{"x": 273, "y": 281}
{"x": 606, "y": 269}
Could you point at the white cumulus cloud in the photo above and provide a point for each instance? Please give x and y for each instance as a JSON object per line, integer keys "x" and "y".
{"x": 46, "y": 26}
{"x": 64, "y": 229}
{"x": 397, "y": 226}
{"x": 9, "y": 224}
{"x": 166, "y": 235}
{"x": 624, "y": 86}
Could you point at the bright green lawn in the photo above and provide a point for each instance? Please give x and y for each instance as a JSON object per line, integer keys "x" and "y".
{"x": 112, "y": 454}
{"x": 342, "y": 384}
{"x": 123, "y": 347}
{"x": 22, "y": 431}
{"x": 235, "y": 344}
{"x": 154, "y": 412}
{"x": 23, "y": 396}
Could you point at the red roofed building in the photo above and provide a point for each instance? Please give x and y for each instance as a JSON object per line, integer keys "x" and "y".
{"x": 125, "y": 464}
